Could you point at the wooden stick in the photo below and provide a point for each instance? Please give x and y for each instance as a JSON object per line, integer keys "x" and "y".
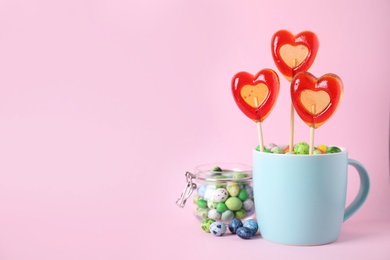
{"x": 311, "y": 145}
{"x": 291, "y": 146}
{"x": 259, "y": 130}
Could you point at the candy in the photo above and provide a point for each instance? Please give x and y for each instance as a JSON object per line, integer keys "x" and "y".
{"x": 206, "y": 224}
{"x": 202, "y": 213}
{"x": 322, "y": 148}
{"x": 248, "y": 204}
{"x": 301, "y": 148}
{"x": 239, "y": 175}
{"x": 255, "y": 95}
{"x": 209, "y": 193}
{"x": 294, "y": 53}
{"x": 243, "y": 195}
{"x": 333, "y": 149}
{"x": 240, "y": 214}
{"x": 316, "y": 100}
{"x": 252, "y": 225}
{"x": 214, "y": 214}
{"x": 244, "y": 232}
{"x": 220, "y": 195}
{"x": 221, "y": 207}
{"x": 202, "y": 203}
{"x": 227, "y": 215}
{"x": 217, "y": 228}
{"x": 234, "y": 224}
{"x": 233, "y": 203}
{"x": 211, "y": 204}
{"x": 233, "y": 189}
{"x": 201, "y": 190}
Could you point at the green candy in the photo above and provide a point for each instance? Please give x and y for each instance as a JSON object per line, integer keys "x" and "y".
{"x": 239, "y": 175}
{"x": 216, "y": 169}
{"x": 233, "y": 203}
{"x": 206, "y": 224}
{"x": 265, "y": 150}
{"x": 333, "y": 149}
{"x": 202, "y": 213}
{"x": 240, "y": 214}
{"x": 301, "y": 148}
{"x": 202, "y": 204}
{"x": 243, "y": 195}
{"x": 221, "y": 207}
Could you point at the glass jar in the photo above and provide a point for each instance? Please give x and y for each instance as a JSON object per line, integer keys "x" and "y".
{"x": 221, "y": 192}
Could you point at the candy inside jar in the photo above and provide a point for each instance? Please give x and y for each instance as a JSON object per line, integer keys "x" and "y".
{"x": 221, "y": 192}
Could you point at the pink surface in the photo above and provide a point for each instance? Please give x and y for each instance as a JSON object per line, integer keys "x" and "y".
{"x": 105, "y": 104}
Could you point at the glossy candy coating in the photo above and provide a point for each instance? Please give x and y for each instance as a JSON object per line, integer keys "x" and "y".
{"x": 316, "y": 100}
{"x": 255, "y": 95}
{"x": 252, "y": 225}
{"x": 287, "y": 47}
{"x": 235, "y": 224}
{"x": 244, "y": 232}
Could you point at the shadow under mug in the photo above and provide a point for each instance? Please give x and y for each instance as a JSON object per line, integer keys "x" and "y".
{"x": 300, "y": 199}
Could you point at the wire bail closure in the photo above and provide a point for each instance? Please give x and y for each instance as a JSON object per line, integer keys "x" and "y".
{"x": 188, "y": 189}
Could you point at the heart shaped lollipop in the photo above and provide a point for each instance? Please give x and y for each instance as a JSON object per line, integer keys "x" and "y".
{"x": 256, "y": 95}
{"x": 316, "y": 100}
{"x": 294, "y": 53}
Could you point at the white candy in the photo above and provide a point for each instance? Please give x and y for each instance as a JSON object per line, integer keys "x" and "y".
{"x": 248, "y": 204}
{"x": 209, "y": 193}
{"x": 220, "y": 195}
{"x": 217, "y": 228}
{"x": 214, "y": 214}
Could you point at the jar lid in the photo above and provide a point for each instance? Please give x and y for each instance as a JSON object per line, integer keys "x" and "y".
{"x": 225, "y": 172}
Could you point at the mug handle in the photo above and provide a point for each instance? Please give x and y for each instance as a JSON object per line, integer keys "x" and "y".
{"x": 363, "y": 190}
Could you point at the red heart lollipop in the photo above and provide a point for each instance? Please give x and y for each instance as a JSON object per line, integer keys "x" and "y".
{"x": 294, "y": 53}
{"x": 256, "y": 95}
{"x": 316, "y": 100}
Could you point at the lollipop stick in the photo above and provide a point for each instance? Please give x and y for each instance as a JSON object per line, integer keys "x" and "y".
{"x": 259, "y": 130}
{"x": 311, "y": 145}
{"x": 294, "y": 64}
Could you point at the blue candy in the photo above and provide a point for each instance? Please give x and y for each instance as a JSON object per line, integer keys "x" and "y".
{"x": 244, "y": 232}
{"x": 234, "y": 224}
{"x": 252, "y": 225}
{"x": 202, "y": 190}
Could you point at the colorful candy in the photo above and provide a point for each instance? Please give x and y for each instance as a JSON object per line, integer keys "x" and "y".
{"x": 232, "y": 197}
{"x": 303, "y": 148}
{"x": 294, "y": 53}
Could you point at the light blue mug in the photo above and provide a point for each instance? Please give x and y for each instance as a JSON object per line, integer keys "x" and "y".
{"x": 300, "y": 199}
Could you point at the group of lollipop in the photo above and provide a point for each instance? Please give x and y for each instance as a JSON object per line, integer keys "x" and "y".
{"x": 314, "y": 99}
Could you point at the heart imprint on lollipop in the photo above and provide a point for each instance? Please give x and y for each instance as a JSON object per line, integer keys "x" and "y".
{"x": 293, "y": 56}
{"x": 316, "y": 100}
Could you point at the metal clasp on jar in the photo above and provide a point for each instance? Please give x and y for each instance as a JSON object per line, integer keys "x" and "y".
{"x": 188, "y": 189}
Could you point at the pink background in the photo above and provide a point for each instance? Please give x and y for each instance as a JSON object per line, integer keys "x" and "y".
{"x": 104, "y": 104}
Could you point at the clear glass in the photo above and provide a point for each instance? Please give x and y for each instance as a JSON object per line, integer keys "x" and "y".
{"x": 224, "y": 191}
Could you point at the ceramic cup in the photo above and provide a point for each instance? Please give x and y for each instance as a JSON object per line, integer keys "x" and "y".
{"x": 300, "y": 199}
